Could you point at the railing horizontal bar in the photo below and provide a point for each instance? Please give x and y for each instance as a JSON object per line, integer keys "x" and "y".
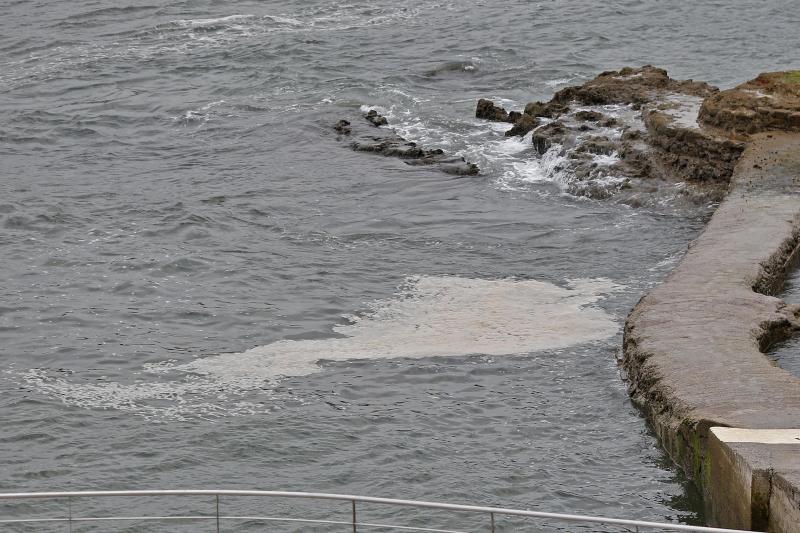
{"x": 205, "y": 517}
{"x": 31, "y": 520}
{"x": 370, "y": 499}
{"x": 143, "y": 518}
{"x": 347, "y": 523}
{"x": 408, "y": 528}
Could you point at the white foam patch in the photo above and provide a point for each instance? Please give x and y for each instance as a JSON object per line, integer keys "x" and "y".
{"x": 436, "y": 317}
{"x": 429, "y": 317}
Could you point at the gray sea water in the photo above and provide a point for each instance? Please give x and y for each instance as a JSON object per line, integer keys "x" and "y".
{"x": 787, "y": 354}
{"x": 202, "y": 287}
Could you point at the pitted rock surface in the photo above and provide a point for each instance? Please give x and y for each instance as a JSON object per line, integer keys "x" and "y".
{"x": 769, "y": 102}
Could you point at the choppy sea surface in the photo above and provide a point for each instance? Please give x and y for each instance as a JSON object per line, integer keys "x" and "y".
{"x": 202, "y": 287}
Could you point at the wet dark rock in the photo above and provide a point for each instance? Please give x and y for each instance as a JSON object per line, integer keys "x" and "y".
{"x": 523, "y": 125}
{"x": 488, "y": 111}
{"x": 597, "y": 145}
{"x": 457, "y": 166}
{"x": 550, "y": 109}
{"x": 589, "y": 116}
{"x": 386, "y": 142}
{"x": 343, "y": 127}
{"x": 548, "y": 135}
{"x": 513, "y": 116}
{"x": 631, "y": 135}
{"x": 375, "y": 119}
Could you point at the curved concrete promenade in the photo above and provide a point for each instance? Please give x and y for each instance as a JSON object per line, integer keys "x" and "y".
{"x": 693, "y": 348}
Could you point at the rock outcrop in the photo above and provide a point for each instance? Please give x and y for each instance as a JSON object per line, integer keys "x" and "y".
{"x": 652, "y": 140}
{"x": 769, "y": 102}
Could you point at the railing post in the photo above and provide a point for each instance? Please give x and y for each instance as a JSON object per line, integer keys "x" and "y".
{"x": 355, "y": 526}
{"x": 492, "y": 517}
{"x": 69, "y": 519}
{"x": 217, "y": 497}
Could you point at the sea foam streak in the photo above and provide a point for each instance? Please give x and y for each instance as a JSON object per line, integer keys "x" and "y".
{"x": 429, "y": 317}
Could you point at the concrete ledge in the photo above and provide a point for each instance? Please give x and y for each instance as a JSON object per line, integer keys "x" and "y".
{"x": 693, "y": 347}
{"x": 743, "y": 466}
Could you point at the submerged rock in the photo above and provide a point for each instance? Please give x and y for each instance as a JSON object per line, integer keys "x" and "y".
{"x": 375, "y": 119}
{"x": 343, "y": 127}
{"x": 387, "y": 142}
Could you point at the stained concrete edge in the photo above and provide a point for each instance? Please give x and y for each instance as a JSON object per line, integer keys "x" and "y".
{"x": 693, "y": 348}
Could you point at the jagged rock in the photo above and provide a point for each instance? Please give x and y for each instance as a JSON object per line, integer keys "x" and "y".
{"x": 375, "y": 119}
{"x": 487, "y": 110}
{"x": 523, "y": 125}
{"x": 548, "y": 135}
{"x": 669, "y": 144}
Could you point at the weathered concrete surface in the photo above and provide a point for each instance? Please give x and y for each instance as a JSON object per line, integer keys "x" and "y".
{"x": 744, "y": 490}
{"x": 692, "y": 347}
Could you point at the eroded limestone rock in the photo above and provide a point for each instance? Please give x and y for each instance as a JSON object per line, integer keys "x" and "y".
{"x": 769, "y": 102}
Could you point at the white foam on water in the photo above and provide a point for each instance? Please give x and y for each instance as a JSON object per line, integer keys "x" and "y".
{"x": 430, "y": 316}
{"x": 606, "y": 160}
{"x": 558, "y": 82}
{"x": 206, "y": 22}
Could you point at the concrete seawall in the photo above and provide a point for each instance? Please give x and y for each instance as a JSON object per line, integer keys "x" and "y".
{"x": 693, "y": 348}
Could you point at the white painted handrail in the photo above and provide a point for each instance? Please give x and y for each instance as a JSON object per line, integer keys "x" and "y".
{"x": 353, "y": 523}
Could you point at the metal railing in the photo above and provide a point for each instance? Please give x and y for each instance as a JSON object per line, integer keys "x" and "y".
{"x": 353, "y": 522}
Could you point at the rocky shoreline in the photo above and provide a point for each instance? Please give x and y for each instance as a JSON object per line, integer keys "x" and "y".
{"x": 693, "y": 347}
